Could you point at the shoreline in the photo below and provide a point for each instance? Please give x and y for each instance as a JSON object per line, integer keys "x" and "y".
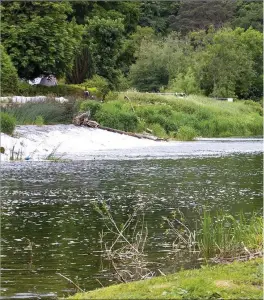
{"x": 226, "y": 281}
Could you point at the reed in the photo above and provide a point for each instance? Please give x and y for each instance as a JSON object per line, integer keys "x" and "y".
{"x": 226, "y": 236}
{"x": 221, "y": 236}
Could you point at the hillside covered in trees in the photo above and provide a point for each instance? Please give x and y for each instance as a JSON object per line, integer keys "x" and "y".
{"x": 212, "y": 48}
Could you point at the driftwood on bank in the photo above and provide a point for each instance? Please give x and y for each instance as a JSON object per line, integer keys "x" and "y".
{"x": 83, "y": 120}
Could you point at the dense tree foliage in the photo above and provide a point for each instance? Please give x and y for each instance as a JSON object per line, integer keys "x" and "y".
{"x": 249, "y": 14}
{"x": 209, "y": 47}
{"x": 38, "y": 37}
{"x": 200, "y": 14}
{"x": 105, "y": 39}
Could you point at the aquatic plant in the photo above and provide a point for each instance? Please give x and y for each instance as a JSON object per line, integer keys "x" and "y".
{"x": 226, "y": 236}
{"x": 221, "y": 236}
{"x": 125, "y": 250}
{"x": 16, "y": 154}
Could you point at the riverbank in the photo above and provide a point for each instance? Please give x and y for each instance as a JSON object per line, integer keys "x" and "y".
{"x": 174, "y": 117}
{"x": 165, "y": 116}
{"x": 231, "y": 281}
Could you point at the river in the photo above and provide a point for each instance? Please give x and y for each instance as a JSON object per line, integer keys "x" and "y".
{"x": 50, "y": 206}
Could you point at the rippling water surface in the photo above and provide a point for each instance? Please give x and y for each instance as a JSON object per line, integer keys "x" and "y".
{"x": 52, "y": 206}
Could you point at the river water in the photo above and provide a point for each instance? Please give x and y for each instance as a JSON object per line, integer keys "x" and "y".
{"x": 50, "y": 206}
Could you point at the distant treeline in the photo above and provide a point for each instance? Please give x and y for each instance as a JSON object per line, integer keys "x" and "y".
{"x": 207, "y": 47}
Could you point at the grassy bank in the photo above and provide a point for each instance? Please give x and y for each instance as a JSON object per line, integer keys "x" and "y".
{"x": 233, "y": 281}
{"x": 179, "y": 118}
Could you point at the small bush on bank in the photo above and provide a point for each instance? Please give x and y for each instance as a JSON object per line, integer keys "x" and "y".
{"x": 99, "y": 83}
{"x": 117, "y": 116}
{"x": 186, "y": 133}
{"x": 157, "y": 130}
{"x": 92, "y": 106}
{"x": 8, "y": 123}
{"x": 39, "y": 121}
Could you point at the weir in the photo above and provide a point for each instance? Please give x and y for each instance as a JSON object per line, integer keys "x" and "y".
{"x": 52, "y": 142}
{"x": 40, "y": 142}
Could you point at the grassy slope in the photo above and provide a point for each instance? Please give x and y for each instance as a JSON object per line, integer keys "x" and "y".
{"x": 238, "y": 280}
{"x": 168, "y": 116}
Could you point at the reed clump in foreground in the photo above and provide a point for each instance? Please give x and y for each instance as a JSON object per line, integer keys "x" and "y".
{"x": 219, "y": 238}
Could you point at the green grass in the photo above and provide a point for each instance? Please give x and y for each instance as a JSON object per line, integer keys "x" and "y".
{"x": 238, "y": 280}
{"x": 179, "y": 118}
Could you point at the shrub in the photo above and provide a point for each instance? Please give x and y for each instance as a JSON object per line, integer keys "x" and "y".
{"x": 64, "y": 90}
{"x": 8, "y": 123}
{"x": 39, "y": 121}
{"x": 118, "y": 116}
{"x": 158, "y": 130}
{"x": 92, "y": 106}
{"x": 98, "y": 82}
{"x": 9, "y": 77}
{"x": 158, "y": 115}
{"x": 186, "y": 133}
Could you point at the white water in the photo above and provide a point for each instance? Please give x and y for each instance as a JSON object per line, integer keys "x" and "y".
{"x": 82, "y": 143}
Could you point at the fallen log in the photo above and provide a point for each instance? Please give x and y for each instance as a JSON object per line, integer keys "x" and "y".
{"x": 137, "y": 135}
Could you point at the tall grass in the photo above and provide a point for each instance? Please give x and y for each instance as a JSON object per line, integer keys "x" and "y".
{"x": 222, "y": 235}
{"x": 227, "y": 236}
{"x": 46, "y": 112}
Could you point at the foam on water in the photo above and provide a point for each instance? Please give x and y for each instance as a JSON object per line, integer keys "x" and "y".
{"x": 82, "y": 143}
{"x": 38, "y": 142}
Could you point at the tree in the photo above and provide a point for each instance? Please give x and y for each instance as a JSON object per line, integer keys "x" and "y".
{"x": 157, "y": 14}
{"x": 105, "y": 42}
{"x": 9, "y": 77}
{"x": 158, "y": 62}
{"x": 200, "y": 14}
{"x": 82, "y": 66}
{"x": 249, "y": 14}
{"x": 38, "y": 37}
{"x": 228, "y": 65}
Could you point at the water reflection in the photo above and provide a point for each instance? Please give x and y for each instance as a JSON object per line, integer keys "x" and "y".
{"x": 52, "y": 206}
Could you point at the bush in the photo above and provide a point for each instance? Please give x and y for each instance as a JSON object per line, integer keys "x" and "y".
{"x": 39, "y": 121}
{"x": 25, "y": 89}
{"x": 99, "y": 83}
{"x": 158, "y": 130}
{"x": 186, "y": 133}
{"x": 8, "y": 123}
{"x": 92, "y": 106}
{"x": 9, "y": 77}
{"x": 117, "y": 116}
{"x": 161, "y": 115}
